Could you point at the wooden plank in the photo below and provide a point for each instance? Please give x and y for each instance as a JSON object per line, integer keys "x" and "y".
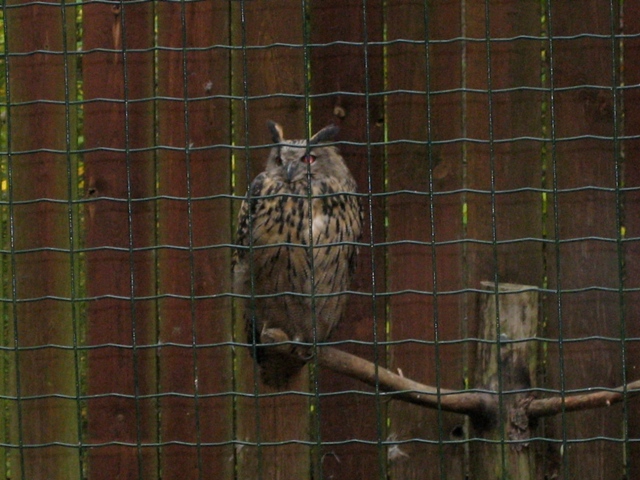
{"x": 120, "y": 225}
{"x": 585, "y": 214}
{"x": 350, "y": 419}
{"x": 431, "y": 172}
{"x": 191, "y": 225}
{"x": 38, "y": 327}
{"x": 505, "y": 115}
{"x": 269, "y": 428}
{"x": 7, "y": 358}
{"x": 630, "y": 159}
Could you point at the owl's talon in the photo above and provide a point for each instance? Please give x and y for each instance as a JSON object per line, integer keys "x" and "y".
{"x": 302, "y": 353}
{"x": 273, "y": 335}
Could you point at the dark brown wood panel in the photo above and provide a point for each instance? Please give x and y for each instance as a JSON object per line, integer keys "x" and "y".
{"x": 37, "y": 325}
{"x": 630, "y": 170}
{"x": 423, "y": 120}
{"x": 584, "y": 254}
{"x": 120, "y": 224}
{"x": 504, "y": 117}
{"x": 193, "y": 224}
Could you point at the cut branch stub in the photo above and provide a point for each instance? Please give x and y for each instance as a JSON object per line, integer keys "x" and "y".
{"x": 506, "y": 361}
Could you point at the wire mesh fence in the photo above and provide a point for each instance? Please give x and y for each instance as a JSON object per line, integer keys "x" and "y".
{"x": 492, "y": 141}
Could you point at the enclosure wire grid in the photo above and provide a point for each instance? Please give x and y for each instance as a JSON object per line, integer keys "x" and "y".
{"x": 495, "y": 149}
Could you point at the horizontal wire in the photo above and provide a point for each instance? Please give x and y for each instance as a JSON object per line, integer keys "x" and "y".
{"x": 345, "y": 93}
{"x": 336, "y": 343}
{"x": 318, "y": 45}
{"x": 382, "y": 195}
{"x": 238, "y": 443}
{"x": 362, "y": 245}
{"x": 195, "y": 148}
{"x": 304, "y": 394}
{"x": 387, "y": 294}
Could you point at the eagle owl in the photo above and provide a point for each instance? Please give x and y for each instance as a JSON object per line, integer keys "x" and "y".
{"x": 293, "y": 266}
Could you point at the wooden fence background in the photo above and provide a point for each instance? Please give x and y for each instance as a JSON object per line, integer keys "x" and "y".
{"x": 496, "y": 140}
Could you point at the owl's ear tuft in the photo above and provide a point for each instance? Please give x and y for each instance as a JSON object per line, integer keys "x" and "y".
{"x": 276, "y": 131}
{"x": 327, "y": 133}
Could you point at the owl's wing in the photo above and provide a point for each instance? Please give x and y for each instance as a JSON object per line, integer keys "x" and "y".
{"x": 358, "y": 221}
{"x": 239, "y": 263}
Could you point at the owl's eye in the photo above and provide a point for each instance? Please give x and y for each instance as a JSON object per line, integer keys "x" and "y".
{"x": 308, "y": 158}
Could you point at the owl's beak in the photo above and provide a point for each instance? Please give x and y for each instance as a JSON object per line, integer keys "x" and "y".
{"x": 291, "y": 170}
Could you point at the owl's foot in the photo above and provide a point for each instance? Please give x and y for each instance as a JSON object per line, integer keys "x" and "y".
{"x": 274, "y": 335}
{"x": 277, "y": 335}
{"x": 302, "y": 352}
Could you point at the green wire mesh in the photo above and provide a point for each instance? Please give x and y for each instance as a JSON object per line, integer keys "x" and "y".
{"x": 491, "y": 141}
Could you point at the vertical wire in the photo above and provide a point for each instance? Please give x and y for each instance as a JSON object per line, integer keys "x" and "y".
{"x": 131, "y": 250}
{"x": 81, "y": 233}
{"x": 385, "y": 204}
{"x": 235, "y": 301}
{"x": 464, "y": 261}
{"x": 616, "y": 79}
{"x": 556, "y": 233}
{"x": 250, "y": 199}
{"x": 373, "y": 264}
{"x": 192, "y": 292}
{"x": 544, "y": 207}
{"x": 12, "y": 248}
{"x": 157, "y": 358}
{"x": 5, "y": 384}
{"x": 433, "y": 248}
{"x": 314, "y": 409}
{"x": 494, "y": 240}
{"x": 71, "y": 190}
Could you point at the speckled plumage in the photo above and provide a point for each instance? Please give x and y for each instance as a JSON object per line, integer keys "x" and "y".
{"x": 274, "y": 219}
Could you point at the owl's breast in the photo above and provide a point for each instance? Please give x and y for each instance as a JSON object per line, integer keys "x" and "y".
{"x": 319, "y": 225}
{"x": 281, "y": 214}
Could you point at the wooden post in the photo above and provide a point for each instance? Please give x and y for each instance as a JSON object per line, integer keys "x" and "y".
{"x": 506, "y": 362}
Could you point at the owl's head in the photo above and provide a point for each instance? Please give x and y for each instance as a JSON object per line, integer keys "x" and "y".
{"x": 296, "y": 160}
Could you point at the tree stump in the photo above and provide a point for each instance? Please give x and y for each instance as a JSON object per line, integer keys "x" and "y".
{"x": 506, "y": 362}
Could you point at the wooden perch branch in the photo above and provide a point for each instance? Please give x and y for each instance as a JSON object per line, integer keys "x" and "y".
{"x": 472, "y": 404}
{"x": 506, "y": 371}
{"x": 404, "y": 388}
{"x": 546, "y": 407}
{"x": 513, "y": 361}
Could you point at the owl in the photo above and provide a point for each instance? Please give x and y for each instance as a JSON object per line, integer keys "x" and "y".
{"x": 296, "y": 251}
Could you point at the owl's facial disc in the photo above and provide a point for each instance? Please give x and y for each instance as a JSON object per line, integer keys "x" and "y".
{"x": 295, "y": 170}
{"x": 294, "y": 163}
